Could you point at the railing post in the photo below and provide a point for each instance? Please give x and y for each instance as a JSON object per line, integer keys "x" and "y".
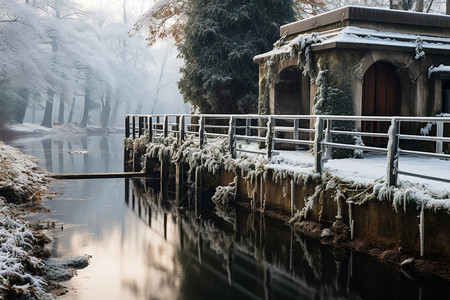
{"x": 140, "y": 125}
{"x": 150, "y": 127}
{"x": 296, "y": 127}
{"x": 247, "y": 126}
{"x": 231, "y": 136}
{"x": 166, "y": 126}
{"x": 439, "y": 133}
{"x": 182, "y": 130}
{"x": 318, "y": 144}
{"x": 201, "y": 131}
{"x": 127, "y": 126}
{"x": 392, "y": 156}
{"x": 269, "y": 137}
{"x": 134, "y": 127}
{"x": 328, "y": 149}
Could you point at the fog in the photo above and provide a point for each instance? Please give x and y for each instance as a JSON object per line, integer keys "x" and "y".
{"x": 65, "y": 61}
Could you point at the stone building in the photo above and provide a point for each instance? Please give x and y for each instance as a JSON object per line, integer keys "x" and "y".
{"x": 359, "y": 60}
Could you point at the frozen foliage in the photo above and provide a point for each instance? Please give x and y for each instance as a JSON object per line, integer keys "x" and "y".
{"x": 222, "y": 197}
{"x": 16, "y": 261}
{"x": 21, "y": 179}
{"x": 63, "y": 269}
{"x": 426, "y": 130}
{"x": 419, "y": 45}
{"x": 343, "y": 177}
{"x": 301, "y": 46}
{"x": 220, "y": 39}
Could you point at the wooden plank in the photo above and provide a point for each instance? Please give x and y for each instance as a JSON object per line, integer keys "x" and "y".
{"x": 99, "y": 175}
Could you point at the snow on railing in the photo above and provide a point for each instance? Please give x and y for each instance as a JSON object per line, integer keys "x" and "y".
{"x": 320, "y": 134}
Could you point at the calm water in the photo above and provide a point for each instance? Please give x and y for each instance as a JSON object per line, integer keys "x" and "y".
{"x": 143, "y": 246}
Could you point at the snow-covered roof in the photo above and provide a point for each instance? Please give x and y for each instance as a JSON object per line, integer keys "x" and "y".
{"x": 373, "y": 18}
{"x": 355, "y": 37}
{"x": 441, "y": 69}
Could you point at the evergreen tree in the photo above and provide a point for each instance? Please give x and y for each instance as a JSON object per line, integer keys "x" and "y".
{"x": 221, "y": 38}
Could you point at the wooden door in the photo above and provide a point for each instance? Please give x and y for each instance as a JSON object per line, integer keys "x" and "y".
{"x": 381, "y": 97}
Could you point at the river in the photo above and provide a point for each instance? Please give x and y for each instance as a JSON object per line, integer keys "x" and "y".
{"x": 144, "y": 245}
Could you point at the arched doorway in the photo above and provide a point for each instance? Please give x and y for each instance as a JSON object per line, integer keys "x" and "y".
{"x": 288, "y": 92}
{"x": 292, "y": 98}
{"x": 380, "y": 97}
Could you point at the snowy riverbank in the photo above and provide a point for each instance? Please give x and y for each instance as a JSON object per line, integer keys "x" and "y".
{"x": 25, "y": 269}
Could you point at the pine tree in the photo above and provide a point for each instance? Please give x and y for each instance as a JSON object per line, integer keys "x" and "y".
{"x": 220, "y": 40}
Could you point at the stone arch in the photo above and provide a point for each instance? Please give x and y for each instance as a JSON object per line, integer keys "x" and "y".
{"x": 412, "y": 93}
{"x": 291, "y": 95}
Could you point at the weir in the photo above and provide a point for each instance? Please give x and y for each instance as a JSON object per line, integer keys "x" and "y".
{"x": 243, "y": 158}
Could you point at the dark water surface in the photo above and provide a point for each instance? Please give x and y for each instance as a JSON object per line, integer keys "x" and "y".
{"x": 143, "y": 246}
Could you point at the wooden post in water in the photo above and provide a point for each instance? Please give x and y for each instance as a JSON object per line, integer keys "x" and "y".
{"x": 179, "y": 182}
{"x": 136, "y": 164}
{"x": 127, "y": 191}
{"x": 150, "y": 128}
{"x": 198, "y": 191}
{"x": 164, "y": 176}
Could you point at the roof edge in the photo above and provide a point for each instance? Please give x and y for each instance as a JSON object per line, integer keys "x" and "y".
{"x": 368, "y": 14}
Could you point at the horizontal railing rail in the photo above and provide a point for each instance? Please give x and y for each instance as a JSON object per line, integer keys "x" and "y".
{"x": 323, "y": 134}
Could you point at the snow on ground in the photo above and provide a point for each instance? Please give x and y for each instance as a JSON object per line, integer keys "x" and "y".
{"x": 372, "y": 169}
{"x": 57, "y": 130}
{"x": 16, "y": 243}
{"x": 21, "y": 180}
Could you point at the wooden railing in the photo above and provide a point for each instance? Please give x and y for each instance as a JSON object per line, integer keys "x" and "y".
{"x": 321, "y": 134}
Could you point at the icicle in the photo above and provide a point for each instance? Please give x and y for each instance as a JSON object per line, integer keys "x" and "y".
{"x": 292, "y": 197}
{"x": 350, "y": 219}
{"x": 421, "y": 229}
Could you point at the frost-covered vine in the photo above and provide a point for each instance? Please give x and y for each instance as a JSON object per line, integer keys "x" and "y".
{"x": 419, "y": 45}
{"x": 301, "y": 46}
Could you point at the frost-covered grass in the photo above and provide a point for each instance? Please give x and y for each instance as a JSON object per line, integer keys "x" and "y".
{"x": 21, "y": 179}
{"x": 23, "y": 182}
{"x": 18, "y": 267}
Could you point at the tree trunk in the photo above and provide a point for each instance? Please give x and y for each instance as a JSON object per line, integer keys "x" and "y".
{"x": 47, "y": 120}
{"x": 69, "y": 120}
{"x": 19, "y": 114}
{"x": 87, "y": 104}
{"x": 62, "y": 99}
{"x": 87, "y": 99}
{"x": 106, "y": 110}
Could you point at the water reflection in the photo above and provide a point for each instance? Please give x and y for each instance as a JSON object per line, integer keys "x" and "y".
{"x": 144, "y": 246}
{"x": 262, "y": 259}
